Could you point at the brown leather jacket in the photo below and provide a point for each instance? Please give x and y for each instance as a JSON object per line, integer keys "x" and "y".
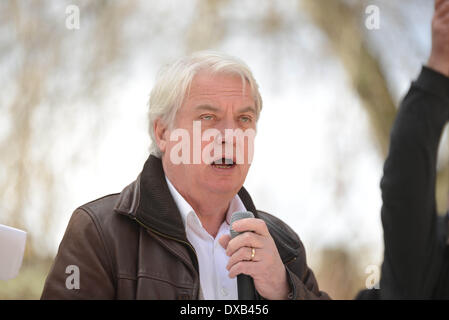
{"x": 133, "y": 245}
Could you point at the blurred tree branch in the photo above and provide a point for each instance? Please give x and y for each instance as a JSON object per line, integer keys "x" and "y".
{"x": 43, "y": 75}
{"x": 207, "y": 27}
{"x": 342, "y": 23}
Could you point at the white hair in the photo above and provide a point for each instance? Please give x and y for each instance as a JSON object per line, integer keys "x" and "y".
{"x": 173, "y": 82}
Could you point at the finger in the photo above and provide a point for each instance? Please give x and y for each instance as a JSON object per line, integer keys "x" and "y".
{"x": 224, "y": 240}
{"x": 242, "y": 254}
{"x": 244, "y": 267}
{"x": 247, "y": 239}
{"x": 251, "y": 224}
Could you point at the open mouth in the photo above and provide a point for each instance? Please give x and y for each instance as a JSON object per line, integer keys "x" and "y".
{"x": 223, "y": 163}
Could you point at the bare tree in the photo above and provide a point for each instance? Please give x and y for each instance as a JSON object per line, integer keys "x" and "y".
{"x": 342, "y": 22}
{"x": 46, "y": 77}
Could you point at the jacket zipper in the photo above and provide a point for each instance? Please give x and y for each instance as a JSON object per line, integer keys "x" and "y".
{"x": 289, "y": 261}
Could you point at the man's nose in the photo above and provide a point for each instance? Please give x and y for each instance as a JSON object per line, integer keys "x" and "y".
{"x": 227, "y": 124}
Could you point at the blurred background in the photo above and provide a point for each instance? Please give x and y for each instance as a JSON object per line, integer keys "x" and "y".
{"x": 73, "y": 113}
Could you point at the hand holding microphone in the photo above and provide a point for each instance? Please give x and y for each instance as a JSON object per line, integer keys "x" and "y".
{"x": 252, "y": 252}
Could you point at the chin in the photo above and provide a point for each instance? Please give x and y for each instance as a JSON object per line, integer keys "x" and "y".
{"x": 223, "y": 187}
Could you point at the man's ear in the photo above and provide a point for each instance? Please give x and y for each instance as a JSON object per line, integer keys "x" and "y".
{"x": 161, "y": 134}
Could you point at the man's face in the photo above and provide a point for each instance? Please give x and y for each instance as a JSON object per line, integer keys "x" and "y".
{"x": 217, "y": 102}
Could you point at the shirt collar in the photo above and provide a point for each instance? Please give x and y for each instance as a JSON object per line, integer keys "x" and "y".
{"x": 185, "y": 208}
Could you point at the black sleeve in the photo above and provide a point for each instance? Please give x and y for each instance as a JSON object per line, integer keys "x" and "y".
{"x": 413, "y": 253}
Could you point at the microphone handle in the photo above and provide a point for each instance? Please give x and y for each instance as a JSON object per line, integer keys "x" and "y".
{"x": 245, "y": 286}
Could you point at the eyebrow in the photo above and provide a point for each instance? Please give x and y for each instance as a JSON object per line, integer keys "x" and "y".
{"x": 248, "y": 109}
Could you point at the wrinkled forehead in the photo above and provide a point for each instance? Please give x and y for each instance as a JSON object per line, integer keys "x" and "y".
{"x": 220, "y": 85}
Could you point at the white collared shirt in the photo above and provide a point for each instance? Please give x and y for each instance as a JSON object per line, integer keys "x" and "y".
{"x": 215, "y": 283}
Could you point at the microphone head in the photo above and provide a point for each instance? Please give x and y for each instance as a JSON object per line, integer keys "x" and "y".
{"x": 237, "y": 216}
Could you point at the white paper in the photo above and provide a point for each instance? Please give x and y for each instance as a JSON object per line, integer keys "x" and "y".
{"x": 12, "y": 248}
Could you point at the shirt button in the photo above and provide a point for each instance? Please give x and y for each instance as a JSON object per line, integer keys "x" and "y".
{"x": 224, "y": 292}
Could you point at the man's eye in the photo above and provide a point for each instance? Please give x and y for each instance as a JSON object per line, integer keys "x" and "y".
{"x": 207, "y": 117}
{"x": 246, "y": 119}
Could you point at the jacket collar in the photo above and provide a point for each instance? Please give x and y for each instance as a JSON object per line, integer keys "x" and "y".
{"x": 149, "y": 200}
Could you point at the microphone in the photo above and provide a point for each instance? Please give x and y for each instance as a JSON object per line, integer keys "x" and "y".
{"x": 245, "y": 284}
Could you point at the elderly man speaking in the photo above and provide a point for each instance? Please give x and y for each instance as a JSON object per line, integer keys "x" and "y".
{"x": 166, "y": 235}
